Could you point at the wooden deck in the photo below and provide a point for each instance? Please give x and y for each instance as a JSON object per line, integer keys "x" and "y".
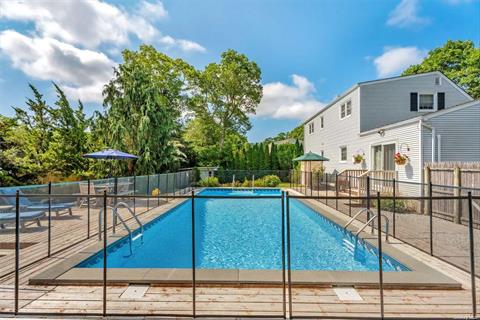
{"x": 210, "y": 300}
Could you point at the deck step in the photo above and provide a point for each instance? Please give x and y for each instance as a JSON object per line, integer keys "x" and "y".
{"x": 350, "y": 246}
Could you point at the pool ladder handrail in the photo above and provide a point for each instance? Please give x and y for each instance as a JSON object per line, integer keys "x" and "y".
{"x": 117, "y": 215}
{"x": 356, "y": 215}
{"x": 372, "y": 221}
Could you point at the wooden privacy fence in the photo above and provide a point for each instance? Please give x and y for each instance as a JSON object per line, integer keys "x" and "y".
{"x": 453, "y": 179}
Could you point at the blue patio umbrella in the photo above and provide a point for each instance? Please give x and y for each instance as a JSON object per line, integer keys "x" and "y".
{"x": 110, "y": 154}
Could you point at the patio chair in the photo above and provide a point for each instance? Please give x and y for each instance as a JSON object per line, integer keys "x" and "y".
{"x": 26, "y": 204}
{"x": 24, "y": 217}
{"x": 83, "y": 201}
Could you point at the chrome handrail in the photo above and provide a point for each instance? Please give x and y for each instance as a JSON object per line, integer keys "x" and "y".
{"x": 117, "y": 215}
{"x": 372, "y": 220}
{"x": 124, "y": 205}
{"x": 356, "y": 215}
{"x": 100, "y": 221}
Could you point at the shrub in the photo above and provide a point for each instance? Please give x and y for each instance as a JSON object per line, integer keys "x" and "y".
{"x": 237, "y": 184}
{"x": 209, "y": 182}
{"x": 247, "y": 183}
{"x": 270, "y": 181}
{"x": 387, "y": 205}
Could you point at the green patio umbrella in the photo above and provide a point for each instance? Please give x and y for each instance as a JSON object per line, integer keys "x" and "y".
{"x": 309, "y": 157}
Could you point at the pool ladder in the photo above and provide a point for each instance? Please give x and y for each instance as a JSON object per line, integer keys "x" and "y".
{"x": 371, "y": 222}
{"x": 117, "y": 215}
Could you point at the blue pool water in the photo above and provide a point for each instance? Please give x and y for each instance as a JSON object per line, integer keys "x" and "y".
{"x": 243, "y": 234}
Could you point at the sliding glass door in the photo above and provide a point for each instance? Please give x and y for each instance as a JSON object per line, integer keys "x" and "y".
{"x": 383, "y": 157}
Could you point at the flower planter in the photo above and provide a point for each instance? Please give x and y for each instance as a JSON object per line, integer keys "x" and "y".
{"x": 358, "y": 158}
{"x": 401, "y": 159}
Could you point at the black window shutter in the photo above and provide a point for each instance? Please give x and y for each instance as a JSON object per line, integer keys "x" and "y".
{"x": 440, "y": 100}
{"x": 413, "y": 101}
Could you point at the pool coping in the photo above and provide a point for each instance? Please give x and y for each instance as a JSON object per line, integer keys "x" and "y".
{"x": 420, "y": 276}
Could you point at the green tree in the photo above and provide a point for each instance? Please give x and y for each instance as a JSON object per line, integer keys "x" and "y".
{"x": 143, "y": 105}
{"x": 69, "y": 140}
{"x": 35, "y": 129}
{"x": 458, "y": 60}
{"x": 296, "y": 133}
{"x": 274, "y": 163}
{"x": 226, "y": 93}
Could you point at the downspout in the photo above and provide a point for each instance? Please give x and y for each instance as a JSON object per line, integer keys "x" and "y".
{"x": 420, "y": 142}
{"x": 433, "y": 144}
{"x": 432, "y": 129}
{"x": 439, "y": 148}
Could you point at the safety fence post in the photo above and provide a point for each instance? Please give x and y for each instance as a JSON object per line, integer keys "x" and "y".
{"x": 430, "y": 209}
{"x": 289, "y": 260}
{"x": 104, "y": 253}
{"x": 49, "y": 218}
{"x": 380, "y": 254}
{"x": 472, "y": 255}
{"x": 193, "y": 257}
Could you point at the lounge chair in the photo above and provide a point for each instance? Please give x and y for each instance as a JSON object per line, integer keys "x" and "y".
{"x": 27, "y": 205}
{"x": 24, "y": 217}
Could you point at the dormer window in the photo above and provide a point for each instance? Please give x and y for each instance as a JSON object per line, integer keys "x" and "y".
{"x": 426, "y": 102}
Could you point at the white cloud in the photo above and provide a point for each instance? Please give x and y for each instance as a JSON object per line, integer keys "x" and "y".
{"x": 89, "y": 23}
{"x": 81, "y": 72}
{"x": 395, "y": 60}
{"x": 152, "y": 11}
{"x": 185, "y": 45}
{"x": 283, "y": 101}
{"x": 405, "y": 14}
{"x": 63, "y": 47}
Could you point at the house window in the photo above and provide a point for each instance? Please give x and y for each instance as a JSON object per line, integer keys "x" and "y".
{"x": 343, "y": 154}
{"x": 438, "y": 81}
{"x": 426, "y": 102}
{"x": 321, "y": 122}
{"x": 311, "y": 127}
{"x": 346, "y": 109}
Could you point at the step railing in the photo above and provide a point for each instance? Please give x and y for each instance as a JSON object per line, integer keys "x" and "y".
{"x": 115, "y": 215}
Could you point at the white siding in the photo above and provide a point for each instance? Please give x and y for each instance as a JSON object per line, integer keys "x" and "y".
{"x": 406, "y": 136}
{"x": 389, "y": 102}
{"x": 460, "y": 135}
{"x": 336, "y": 132}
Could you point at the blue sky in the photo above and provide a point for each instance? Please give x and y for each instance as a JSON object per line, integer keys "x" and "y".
{"x": 309, "y": 51}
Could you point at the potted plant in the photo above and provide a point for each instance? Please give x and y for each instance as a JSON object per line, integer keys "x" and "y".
{"x": 401, "y": 159}
{"x": 358, "y": 158}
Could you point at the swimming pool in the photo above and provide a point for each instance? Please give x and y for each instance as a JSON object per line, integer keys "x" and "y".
{"x": 243, "y": 234}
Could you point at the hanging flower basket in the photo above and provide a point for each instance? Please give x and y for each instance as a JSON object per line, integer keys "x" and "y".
{"x": 358, "y": 158}
{"x": 401, "y": 159}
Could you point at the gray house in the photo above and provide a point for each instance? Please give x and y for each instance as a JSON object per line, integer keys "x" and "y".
{"x": 425, "y": 117}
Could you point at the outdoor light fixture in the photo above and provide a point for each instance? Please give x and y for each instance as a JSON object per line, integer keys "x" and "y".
{"x": 381, "y": 132}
